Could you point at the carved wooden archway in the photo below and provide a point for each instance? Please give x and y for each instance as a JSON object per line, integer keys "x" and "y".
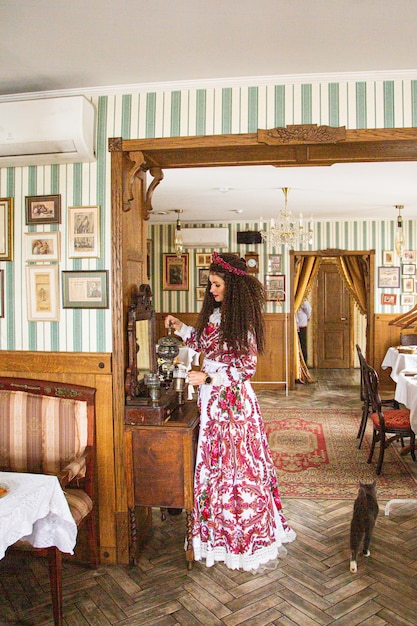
{"x": 132, "y": 161}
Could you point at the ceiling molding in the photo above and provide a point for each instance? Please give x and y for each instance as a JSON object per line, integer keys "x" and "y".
{"x": 220, "y": 83}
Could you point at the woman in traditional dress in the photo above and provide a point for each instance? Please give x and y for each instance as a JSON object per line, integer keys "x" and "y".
{"x": 237, "y": 515}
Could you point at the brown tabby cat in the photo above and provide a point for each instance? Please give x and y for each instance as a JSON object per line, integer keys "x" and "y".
{"x": 365, "y": 512}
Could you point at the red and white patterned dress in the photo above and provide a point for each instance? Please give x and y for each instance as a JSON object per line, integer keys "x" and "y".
{"x": 237, "y": 516}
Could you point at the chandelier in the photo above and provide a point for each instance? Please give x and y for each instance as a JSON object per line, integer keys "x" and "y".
{"x": 287, "y": 230}
{"x": 399, "y": 240}
{"x": 178, "y": 241}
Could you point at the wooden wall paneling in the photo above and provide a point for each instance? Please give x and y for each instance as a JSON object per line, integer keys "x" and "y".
{"x": 271, "y": 365}
{"x": 385, "y": 337}
{"x": 93, "y": 370}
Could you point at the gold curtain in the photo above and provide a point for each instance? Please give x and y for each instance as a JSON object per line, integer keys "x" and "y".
{"x": 355, "y": 271}
{"x": 305, "y": 272}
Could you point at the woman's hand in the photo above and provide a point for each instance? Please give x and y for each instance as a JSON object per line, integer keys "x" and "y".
{"x": 196, "y": 378}
{"x": 175, "y": 323}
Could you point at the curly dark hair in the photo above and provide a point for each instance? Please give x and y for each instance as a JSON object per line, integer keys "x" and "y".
{"x": 242, "y": 307}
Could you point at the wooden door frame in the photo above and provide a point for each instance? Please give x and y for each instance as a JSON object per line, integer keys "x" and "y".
{"x": 133, "y": 160}
{"x": 370, "y": 318}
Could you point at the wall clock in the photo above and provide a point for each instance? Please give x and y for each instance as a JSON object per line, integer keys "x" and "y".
{"x": 252, "y": 262}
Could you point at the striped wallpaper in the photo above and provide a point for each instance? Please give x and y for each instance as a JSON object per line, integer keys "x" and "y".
{"x": 180, "y": 112}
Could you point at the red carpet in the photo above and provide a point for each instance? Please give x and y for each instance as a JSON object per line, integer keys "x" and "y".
{"x": 317, "y": 456}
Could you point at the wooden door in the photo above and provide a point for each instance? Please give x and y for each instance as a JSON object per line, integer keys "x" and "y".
{"x": 333, "y": 312}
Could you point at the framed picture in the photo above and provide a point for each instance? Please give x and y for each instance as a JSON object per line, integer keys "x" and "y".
{"x": 1, "y": 293}
{"x": 175, "y": 272}
{"x": 275, "y": 287}
{"x": 203, "y": 274}
{"x": 202, "y": 259}
{"x": 83, "y": 232}
{"x": 42, "y": 246}
{"x": 199, "y": 293}
{"x": 6, "y": 229}
{"x": 85, "y": 289}
{"x": 409, "y": 256}
{"x": 408, "y": 285}
{"x": 275, "y": 264}
{"x": 389, "y": 277}
{"x": 409, "y": 269}
{"x": 407, "y": 299}
{"x": 42, "y": 293}
{"x": 43, "y": 209}
{"x": 388, "y": 257}
{"x": 389, "y": 298}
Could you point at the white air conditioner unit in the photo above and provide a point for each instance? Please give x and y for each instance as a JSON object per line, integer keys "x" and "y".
{"x": 205, "y": 237}
{"x": 46, "y": 131}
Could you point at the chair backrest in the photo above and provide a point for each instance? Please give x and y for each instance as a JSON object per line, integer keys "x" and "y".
{"x": 371, "y": 381}
{"x": 362, "y": 363}
{"x": 409, "y": 339}
{"x": 44, "y": 426}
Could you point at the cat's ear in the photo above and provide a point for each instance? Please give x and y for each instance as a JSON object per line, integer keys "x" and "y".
{"x": 374, "y": 483}
{"x": 361, "y": 484}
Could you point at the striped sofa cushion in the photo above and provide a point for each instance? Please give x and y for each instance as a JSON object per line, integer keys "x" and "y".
{"x": 40, "y": 433}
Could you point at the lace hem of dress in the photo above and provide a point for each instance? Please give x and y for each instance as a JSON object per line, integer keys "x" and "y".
{"x": 264, "y": 559}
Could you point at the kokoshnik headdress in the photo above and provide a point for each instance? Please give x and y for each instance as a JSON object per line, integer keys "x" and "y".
{"x": 217, "y": 259}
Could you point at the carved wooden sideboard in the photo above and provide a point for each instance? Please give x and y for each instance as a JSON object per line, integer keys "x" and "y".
{"x": 160, "y": 434}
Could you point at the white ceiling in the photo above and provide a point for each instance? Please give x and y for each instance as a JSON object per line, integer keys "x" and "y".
{"x": 55, "y": 46}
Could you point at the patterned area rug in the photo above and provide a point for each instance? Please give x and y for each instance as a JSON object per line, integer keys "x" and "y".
{"x": 317, "y": 456}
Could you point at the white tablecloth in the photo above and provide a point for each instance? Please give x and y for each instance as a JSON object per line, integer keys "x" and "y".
{"x": 398, "y": 361}
{"x": 35, "y": 510}
{"x": 406, "y": 393}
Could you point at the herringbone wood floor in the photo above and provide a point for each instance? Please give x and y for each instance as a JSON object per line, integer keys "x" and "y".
{"x": 311, "y": 586}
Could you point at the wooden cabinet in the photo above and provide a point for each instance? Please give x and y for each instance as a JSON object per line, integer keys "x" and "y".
{"x": 160, "y": 462}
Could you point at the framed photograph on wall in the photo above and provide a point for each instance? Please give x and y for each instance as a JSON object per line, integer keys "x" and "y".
{"x": 202, "y": 259}
{"x": 389, "y": 298}
{"x": 275, "y": 287}
{"x": 199, "y": 293}
{"x": 6, "y": 229}
{"x": 42, "y": 293}
{"x": 1, "y": 293}
{"x": 388, "y": 257}
{"x": 175, "y": 272}
{"x": 389, "y": 277}
{"x": 408, "y": 285}
{"x": 42, "y": 247}
{"x": 203, "y": 274}
{"x": 83, "y": 232}
{"x": 43, "y": 209}
{"x": 85, "y": 289}
{"x": 409, "y": 256}
{"x": 408, "y": 299}
{"x": 409, "y": 269}
{"x": 275, "y": 264}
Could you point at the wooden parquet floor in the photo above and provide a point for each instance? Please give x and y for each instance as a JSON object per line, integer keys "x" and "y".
{"x": 311, "y": 586}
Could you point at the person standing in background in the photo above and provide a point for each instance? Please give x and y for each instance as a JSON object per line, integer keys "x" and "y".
{"x": 302, "y": 317}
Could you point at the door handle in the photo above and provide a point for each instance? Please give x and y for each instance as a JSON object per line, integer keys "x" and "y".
{"x": 343, "y": 319}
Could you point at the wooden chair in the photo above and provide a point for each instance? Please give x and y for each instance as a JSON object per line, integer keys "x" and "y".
{"x": 409, "y": 339}
{"x": 366, "y": 405}
{"x": 388, "y": 426}
{"x": 56, "y": 422}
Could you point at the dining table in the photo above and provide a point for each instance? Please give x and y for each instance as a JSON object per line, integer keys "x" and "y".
{"x": 399, "y": 360}
{"x": 33, "y": 508}
{"x": 406, "y": 394}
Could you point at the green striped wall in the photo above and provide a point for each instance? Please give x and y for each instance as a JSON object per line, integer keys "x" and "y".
{"x": 181, "y": 112}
